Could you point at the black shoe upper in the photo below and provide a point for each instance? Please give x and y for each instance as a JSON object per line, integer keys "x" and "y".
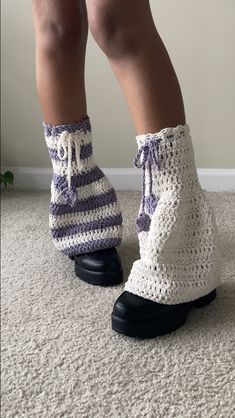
{"x": 106, "y": 260}
{"x": 133, "y": 307}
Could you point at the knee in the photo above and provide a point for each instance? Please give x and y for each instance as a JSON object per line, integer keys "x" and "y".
{"x": 113, "y": 26}
{"x": 59, "y": 34}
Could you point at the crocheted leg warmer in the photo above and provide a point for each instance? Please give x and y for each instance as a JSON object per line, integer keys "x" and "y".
{"x": 84, "y": 212}
{"x": 179, "y": 258}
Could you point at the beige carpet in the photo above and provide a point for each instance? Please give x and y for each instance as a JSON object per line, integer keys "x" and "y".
{"x": 60, "y": 357}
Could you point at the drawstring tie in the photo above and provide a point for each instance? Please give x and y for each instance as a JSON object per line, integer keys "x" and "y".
{"x": 65, "y": 145}
{"x": 147, "y": 158}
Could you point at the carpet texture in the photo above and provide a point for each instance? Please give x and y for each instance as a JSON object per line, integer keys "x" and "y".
{"x": 60, "y": 357}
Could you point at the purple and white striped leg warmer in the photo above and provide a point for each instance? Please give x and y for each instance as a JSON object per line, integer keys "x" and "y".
{"x": 84, "y": 212}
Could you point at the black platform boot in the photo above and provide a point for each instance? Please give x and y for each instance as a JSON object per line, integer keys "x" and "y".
{"x": 135, "y": 316}
{"x": 102, "y": 268}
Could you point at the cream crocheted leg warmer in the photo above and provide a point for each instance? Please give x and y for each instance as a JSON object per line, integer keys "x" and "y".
{"x": 84, "y": 212}
{"x": 179, "y": 258}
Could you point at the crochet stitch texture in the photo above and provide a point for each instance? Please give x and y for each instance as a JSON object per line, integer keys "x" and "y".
{"x": 179, "y": 257}
{"x": 84, "y": 212}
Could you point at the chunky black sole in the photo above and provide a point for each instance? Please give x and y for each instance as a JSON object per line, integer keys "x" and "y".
{"x": 158, "y": 327}
{"x": 99, "y": 278}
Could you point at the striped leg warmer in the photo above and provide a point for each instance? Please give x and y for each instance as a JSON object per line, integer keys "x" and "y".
{"x": 84, "y": 212}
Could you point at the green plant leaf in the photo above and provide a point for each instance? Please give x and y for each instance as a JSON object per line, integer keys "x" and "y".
{"x": 2, "y": 179}
{"x": 9, "y": 177}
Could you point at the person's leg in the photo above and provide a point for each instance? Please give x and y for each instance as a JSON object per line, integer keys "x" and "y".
{"x": 61, "y": 34}
{"x": 126, "y": 33}
{"x": 179, "y": 264}
{"x": 84, "y": 213}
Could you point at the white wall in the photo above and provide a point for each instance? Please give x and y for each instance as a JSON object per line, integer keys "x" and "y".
{"x": 200, "y": 38}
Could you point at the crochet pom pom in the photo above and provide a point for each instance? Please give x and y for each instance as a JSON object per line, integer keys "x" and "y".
{"x": 68, "y": 196}
{"x": 143, "y": 222}
{"x": 151, "y": 203}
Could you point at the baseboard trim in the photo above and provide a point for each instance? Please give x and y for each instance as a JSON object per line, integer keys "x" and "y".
{"x": 211, "y": 179}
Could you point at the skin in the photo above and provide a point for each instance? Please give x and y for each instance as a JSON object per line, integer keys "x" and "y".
{"x": 61, "y": 34}
{"x": 126, "y": 33}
